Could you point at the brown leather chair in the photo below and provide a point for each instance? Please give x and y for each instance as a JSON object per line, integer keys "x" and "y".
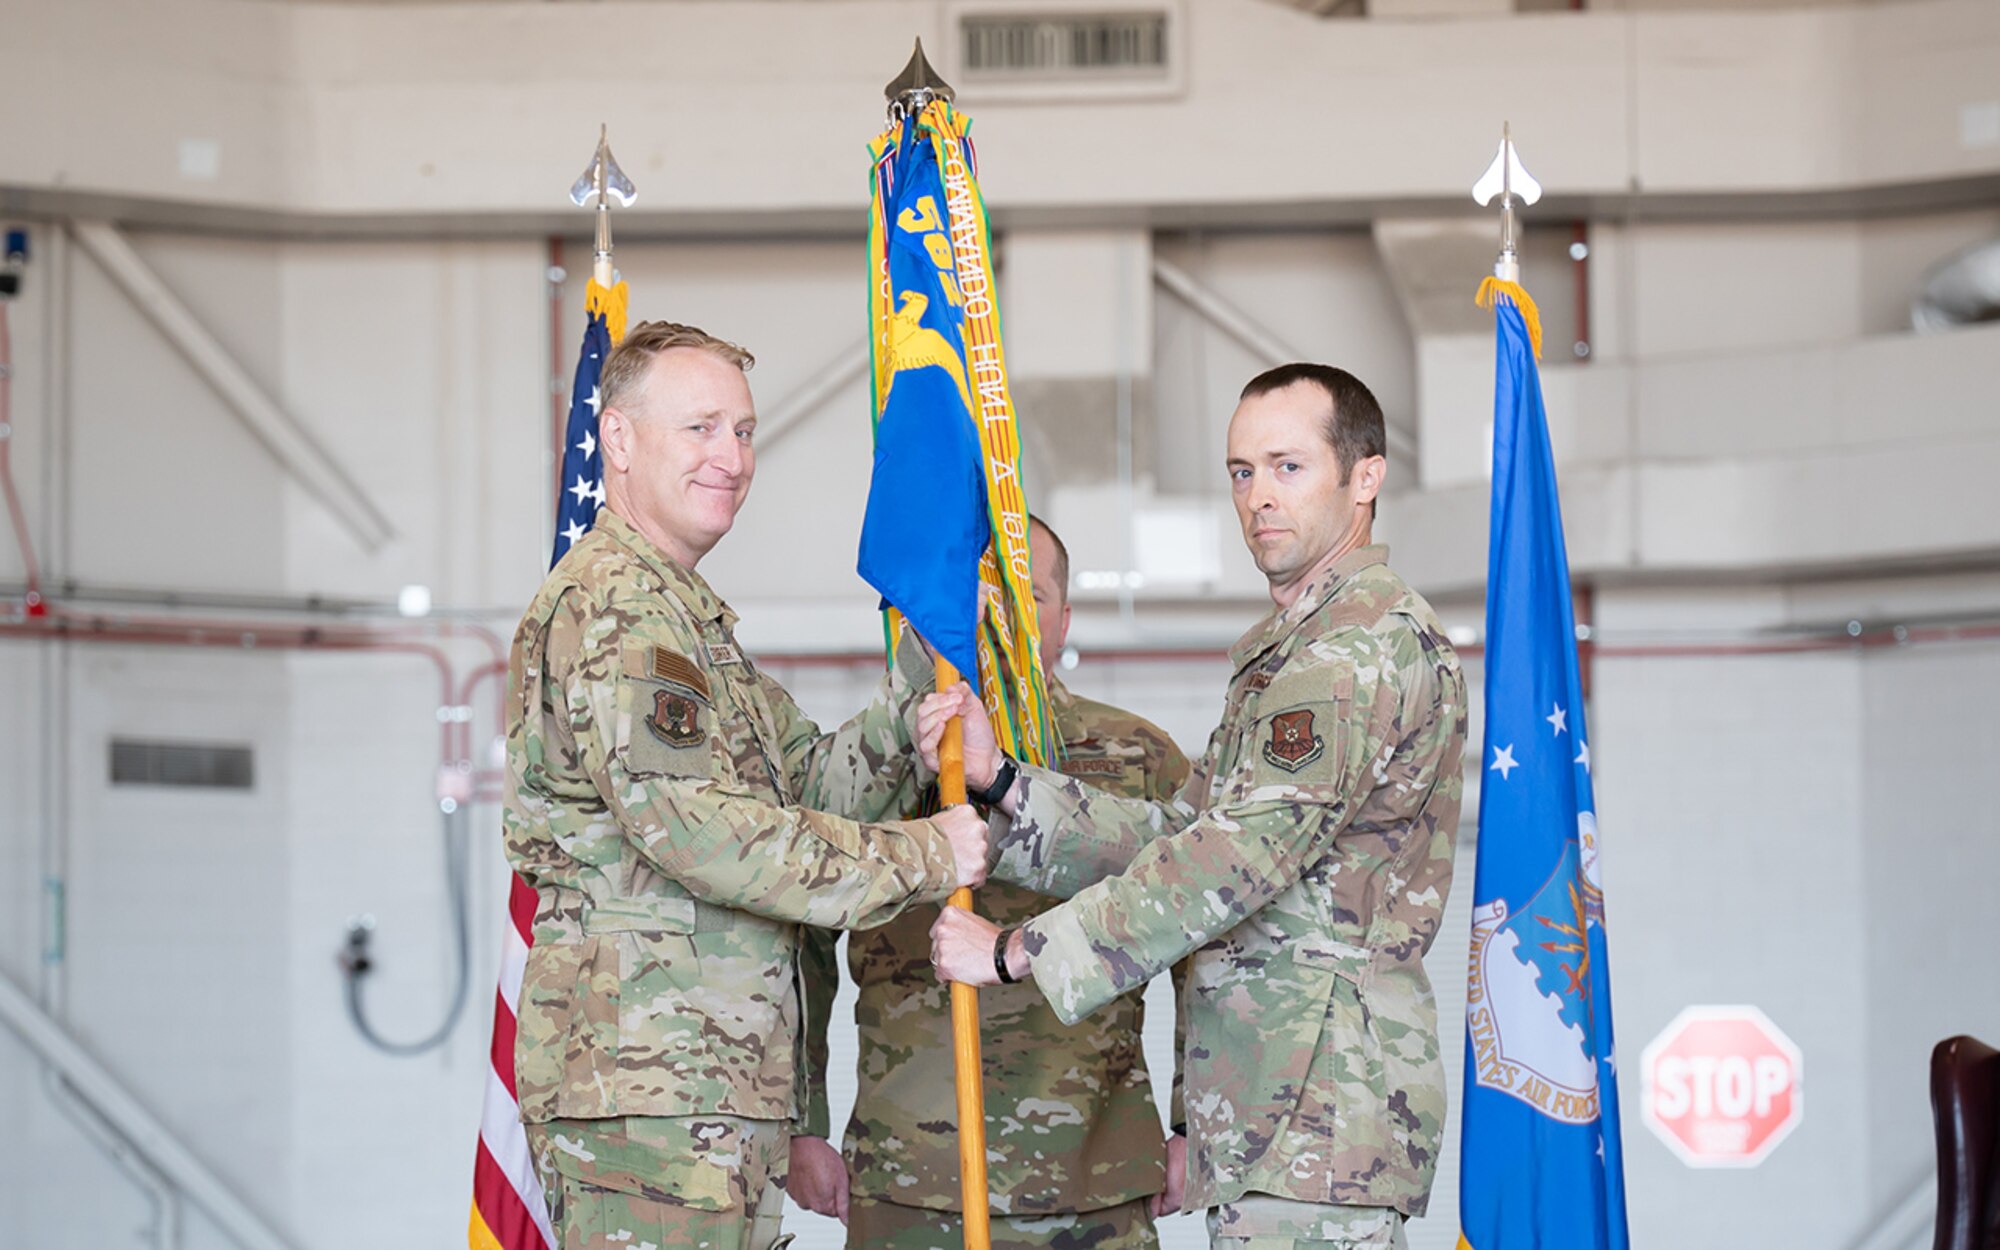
{"x": 1965, "y": 1103}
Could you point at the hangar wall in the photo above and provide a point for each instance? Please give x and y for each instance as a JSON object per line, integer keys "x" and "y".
{"x": 1756, "y": 444}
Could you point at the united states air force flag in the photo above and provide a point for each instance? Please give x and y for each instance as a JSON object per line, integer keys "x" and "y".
{"x": 1542, "y": 1167}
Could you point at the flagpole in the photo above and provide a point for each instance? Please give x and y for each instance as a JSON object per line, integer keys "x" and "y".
{"x": 908, "y": 93}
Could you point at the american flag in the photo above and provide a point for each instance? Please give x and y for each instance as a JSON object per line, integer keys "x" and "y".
{"x": 583, "y": 467}
{"x": 509, "y": 1209}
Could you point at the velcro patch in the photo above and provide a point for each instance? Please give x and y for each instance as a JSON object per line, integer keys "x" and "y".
{"x": 1293, "y": 744}
{"x": 675, "y": 667}
{"x": 723, "y": 653}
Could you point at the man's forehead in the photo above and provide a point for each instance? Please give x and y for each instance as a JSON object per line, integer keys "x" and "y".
{"x": 690, "y": 379}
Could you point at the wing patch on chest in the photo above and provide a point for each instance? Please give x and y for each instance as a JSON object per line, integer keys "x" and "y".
{"x": 1293, "y": 744}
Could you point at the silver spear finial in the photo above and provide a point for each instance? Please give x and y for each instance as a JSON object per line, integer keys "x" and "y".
{"x": 603, "y": 182}
{"x": 1507, "y": 179}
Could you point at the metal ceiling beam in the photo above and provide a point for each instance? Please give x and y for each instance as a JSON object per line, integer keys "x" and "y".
{"x": 281, "y": 434}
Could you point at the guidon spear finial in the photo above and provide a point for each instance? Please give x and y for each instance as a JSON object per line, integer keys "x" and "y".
{"x": 912, "y": 90}
{"x": 603, "y": 182}
{"x": 1511, "y": 182}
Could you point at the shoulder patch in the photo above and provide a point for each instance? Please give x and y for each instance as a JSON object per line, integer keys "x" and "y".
{"x": 675, "y": 667}
{"x": 1293, "y": 744}
{"x": 675, "y": 719}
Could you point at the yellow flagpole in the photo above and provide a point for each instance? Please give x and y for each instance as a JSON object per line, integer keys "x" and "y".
{"x": 965, "y": 1010}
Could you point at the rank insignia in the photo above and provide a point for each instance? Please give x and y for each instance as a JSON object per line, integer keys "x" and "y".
{"x": 676, "y": 719}
{"x": 723, "y": 653}
{"x": 1293, "y": 743}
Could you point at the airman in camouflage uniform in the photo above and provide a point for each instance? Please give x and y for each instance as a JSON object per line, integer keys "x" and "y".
{"x": 670, "y": 805}
{"x": 1305, "y": 864}
{"x": 1074, "y": 1156}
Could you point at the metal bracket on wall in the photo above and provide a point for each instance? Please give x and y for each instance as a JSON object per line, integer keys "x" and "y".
{"x": 791, "y": 412}
{"x": 281, "y": 434}
{"x": 1254, "y": 338}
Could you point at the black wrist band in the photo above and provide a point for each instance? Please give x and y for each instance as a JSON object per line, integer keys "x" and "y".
{"x": 1000, "y": 957}
{"x": 1003, "y": 781}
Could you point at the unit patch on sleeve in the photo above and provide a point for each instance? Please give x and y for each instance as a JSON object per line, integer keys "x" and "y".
{"x": 1293, "y": 744}
{"x": 675, "y": 719}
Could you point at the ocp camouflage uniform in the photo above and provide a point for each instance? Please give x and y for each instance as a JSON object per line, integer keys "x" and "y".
{"x": 1306, "y": 864}
{"x": 1072, "y": 1134}
{"x": 668, "y": 803}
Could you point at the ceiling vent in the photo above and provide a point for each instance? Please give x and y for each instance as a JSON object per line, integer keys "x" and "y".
{"x": 1057, "y": 50}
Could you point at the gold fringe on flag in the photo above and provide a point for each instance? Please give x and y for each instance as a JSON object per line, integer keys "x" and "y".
{"x": 610, "y": 305}
{"x": 1499, "y": 288}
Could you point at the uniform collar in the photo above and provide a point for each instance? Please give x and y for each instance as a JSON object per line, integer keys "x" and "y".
{"x": 1278, "y": 626}
{"x": 682, "y": 582}
{"x": 1063, "y": 704}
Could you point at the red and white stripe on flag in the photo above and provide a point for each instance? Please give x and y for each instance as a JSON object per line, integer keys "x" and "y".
{"x": 509, "y": 1210}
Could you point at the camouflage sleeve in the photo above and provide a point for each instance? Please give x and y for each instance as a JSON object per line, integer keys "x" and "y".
{"x": 1177, "y": 1097}
{"x": 1067, "y": 835}
{"x": 1166, "y": 775}
{"x": 725, "y": 847}
{"x": 819, "y": 981}
{"x": 1277, "y": 814}
{"x": 1058, "y": 849}
{"x": 868, "y": 769}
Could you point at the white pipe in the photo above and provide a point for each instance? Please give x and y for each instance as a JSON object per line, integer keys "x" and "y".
{"x": 286, "y": 440}
{"x": 124, "y": 1113}
{"x": 160, "y": 1192}
{"x": 1260, "y": 342}
{"x": 821, "y": 385}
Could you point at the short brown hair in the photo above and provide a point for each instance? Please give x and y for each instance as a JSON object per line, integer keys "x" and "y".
{"x": 624, "y": 378}
{"x": 1354, "y": 425}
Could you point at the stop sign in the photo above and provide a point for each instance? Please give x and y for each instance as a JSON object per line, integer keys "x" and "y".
{"x": 1722, "y": 1086}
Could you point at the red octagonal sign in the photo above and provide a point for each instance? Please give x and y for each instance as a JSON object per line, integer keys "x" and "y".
{"x": 1722, "y": 1086}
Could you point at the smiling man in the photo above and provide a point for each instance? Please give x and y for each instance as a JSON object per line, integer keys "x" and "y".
{"x": 1305, "y": 864}
{"x": 676, "y": 814}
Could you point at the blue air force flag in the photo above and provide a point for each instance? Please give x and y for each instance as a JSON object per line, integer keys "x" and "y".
{"x": 1542, "y": 1165}
{"x": 582, "y": 464}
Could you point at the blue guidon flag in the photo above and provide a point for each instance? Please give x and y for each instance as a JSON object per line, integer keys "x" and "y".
{"x": 1542, "y": 1166}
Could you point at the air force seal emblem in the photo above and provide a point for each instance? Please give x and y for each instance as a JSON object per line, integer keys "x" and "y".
{"x": 1529, "y": 1012}
{"x": 1293, "y": 744}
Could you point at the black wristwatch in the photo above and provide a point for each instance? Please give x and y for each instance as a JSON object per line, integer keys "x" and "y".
{"x": 1000, "y": 957}
{"x": 1003, "y": 781}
